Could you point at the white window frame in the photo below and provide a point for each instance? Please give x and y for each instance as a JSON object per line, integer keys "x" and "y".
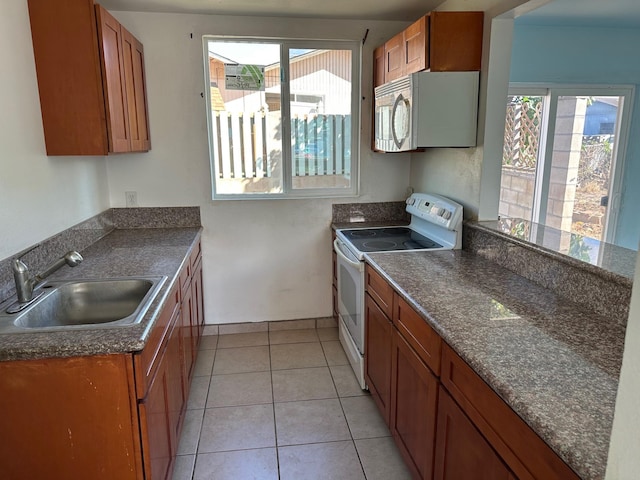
{"x": 287, "y": 180}
{"x": 551, "y": 92}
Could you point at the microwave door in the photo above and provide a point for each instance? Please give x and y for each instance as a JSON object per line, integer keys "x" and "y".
{"x": 401, "y": 123}
{"x": 384, "y": 108}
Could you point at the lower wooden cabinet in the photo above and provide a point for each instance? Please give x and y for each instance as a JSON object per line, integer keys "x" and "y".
{"x": 162, "y": 411}
{"x": 414, "y": 402}
{"x": 156, "y": 428}
{"x": 105, "y": 417}
{"x": 447, "y": 422}
{"x": 377, "y": 366}
{"x": 61, "y": 416}
{"x": 461, "y": 451}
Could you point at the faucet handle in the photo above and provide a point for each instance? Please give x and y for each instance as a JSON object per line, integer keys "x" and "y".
{"x": 19, "y": 266}
{"x": 24, "y": 284}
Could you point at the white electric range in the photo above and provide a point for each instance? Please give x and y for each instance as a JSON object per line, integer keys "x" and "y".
{"x": 436, "y": 224}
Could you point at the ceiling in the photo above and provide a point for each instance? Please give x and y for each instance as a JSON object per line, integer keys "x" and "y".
{"x": 404, "y": 10}
{"x": 585, "y": 13}
{"x": 596, "y": 13}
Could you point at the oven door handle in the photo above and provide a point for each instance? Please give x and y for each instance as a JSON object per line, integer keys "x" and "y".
{"x": 338, "y": 250}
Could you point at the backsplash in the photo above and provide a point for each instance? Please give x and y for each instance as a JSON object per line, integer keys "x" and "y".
{"x": 156, "y": 217}
{"x": 370, "y": 212}
{"x": 82, "y": 235}
{"x": 599, "y": 290}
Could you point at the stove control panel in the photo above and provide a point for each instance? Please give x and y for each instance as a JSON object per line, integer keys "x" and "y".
{"x": 435, "y": 209}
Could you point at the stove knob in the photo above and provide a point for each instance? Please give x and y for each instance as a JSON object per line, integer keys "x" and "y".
{"x": 441, "y": 212}
{"x": 446, "y": 215}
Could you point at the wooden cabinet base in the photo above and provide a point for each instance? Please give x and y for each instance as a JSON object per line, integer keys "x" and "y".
{"x": 527, "y": 455}
{"x": 414, "y": 403}
{"x": 462, "y": 452}
{"x": 69, "y": 418}
{"x": 103, "y": 417}
{"x": 451, "y": 428}
{"x": 377, "y": 366}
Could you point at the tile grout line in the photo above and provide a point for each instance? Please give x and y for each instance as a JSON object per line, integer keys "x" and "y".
{"x": 273, "y": 402}
{"x": 273, "y": 409}
{"x": 345, "y": 417}
{"x": 204, "y": 410}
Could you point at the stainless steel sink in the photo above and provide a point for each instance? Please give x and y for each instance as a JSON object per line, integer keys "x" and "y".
{"x": 76, "y": 304}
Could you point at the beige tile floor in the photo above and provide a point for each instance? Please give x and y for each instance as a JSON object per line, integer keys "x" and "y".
{"x": 282, "y": 405}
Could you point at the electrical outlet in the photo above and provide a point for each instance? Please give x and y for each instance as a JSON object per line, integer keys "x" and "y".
{"x": 131, "y": 199}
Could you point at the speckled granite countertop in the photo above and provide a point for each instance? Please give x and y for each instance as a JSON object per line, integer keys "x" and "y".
{"x": 122, "y": 253}
{"x": 556, "y": 364}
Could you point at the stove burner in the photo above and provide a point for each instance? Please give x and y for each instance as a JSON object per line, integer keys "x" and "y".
{"x": 380, "y": 244}
{"x": 363, "y": 233}
{"x": 412, "y": 245}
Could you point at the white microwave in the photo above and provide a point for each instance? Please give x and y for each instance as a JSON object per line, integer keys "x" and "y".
{"x": 427, "y": 109}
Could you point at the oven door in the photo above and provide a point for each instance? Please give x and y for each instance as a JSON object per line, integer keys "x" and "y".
{"x": 351, "y": 293}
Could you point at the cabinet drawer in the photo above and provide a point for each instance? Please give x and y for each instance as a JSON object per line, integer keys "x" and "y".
{"x": 146, "y": 361}
{"x": 418, "y": 334}
{"x": 525, "y": 453}
{"x": 379, "y": 289}
{"x": 185, "y": 278}
{"x": 196, "y": 255}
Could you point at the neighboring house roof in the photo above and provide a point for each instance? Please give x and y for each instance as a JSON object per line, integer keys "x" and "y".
{"x": 221, "y": 58}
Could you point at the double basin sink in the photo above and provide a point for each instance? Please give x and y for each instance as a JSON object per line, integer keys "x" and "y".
{"x": 82, "y": 304}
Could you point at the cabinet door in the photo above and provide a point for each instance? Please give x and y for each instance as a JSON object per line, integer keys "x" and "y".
{"x": 455, "y": 42}
{"x": 133, "y": 55}
{"x": 414, "y": 391}
{"x": 188, "y": 344}
{"x": 198, "y": 303}
{"x": 378, "y": 66}
{"x": 177, "y": 395}
{"x": 69, "y": 418}
{"x": 113, "y": 76}
{"x": 67, "y": 59}
{"x": 394, "y": 58}
{"x": 377, "y": 357}
{"x": 416, "y": 46}
{"x": 155, "y": 426}
{"x": 462, "y": 452}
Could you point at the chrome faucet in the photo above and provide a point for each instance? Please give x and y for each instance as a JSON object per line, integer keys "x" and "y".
{"x": 25, "y": 283}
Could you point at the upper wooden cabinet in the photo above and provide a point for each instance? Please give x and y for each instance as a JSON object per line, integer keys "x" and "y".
{"x": 379, "y": 66}
{"x": 90, "y": 79}
{"x": 438, "y": 41}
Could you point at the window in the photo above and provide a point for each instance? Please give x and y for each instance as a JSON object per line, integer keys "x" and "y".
{"x": 283, "y": 117}
{"x": 563, "y": 154}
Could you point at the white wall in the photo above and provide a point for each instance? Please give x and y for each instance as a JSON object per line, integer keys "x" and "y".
{"x": 468, "y": 175}
{"x": 624, "y": 461}
{"x": 263, "y": 260}
{"x": 39, "y": 195}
